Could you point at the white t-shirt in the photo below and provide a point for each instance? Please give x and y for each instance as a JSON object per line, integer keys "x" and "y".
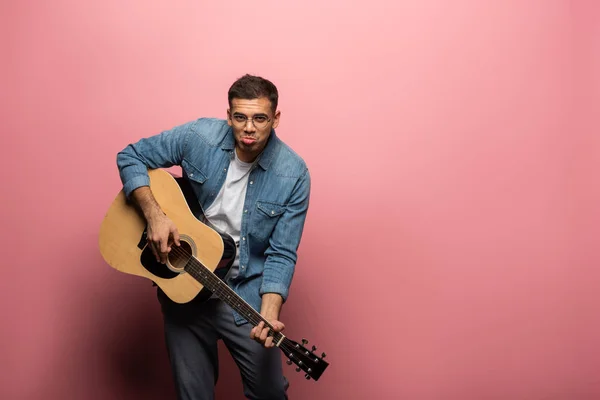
{"x": 225, "y": 213}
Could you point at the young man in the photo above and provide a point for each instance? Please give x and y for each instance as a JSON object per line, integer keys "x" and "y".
{"x": 253, "y": 187}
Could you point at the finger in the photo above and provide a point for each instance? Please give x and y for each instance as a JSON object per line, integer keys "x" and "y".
{"x": 277, "y": 326}
{"x": 176, "y": 236}
{"x": 264, "y": 334}
{"x": 164, "y": 250}
{"x": 255, "y": 330}
{"x": 153, "y": 248}
{"x": 269, "y": 342}
{"x": 164, "y": 245}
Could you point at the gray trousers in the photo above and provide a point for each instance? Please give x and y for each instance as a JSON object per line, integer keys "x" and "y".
{"x": 191, "y": 334}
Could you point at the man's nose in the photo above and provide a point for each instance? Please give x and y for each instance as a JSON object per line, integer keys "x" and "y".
{"x": 249, "y": 126}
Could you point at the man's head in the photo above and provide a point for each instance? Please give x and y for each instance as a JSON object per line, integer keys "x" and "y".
{"x": 252, "y": 114}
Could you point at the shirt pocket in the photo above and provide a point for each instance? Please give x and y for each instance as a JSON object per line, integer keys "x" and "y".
{"x": 192, "y": 172}
{"x": 265, "y": 218}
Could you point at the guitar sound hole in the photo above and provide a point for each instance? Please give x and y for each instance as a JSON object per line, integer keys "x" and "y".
{"x": 179, "y": 256}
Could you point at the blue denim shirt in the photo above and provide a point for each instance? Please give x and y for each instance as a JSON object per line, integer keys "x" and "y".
{"x": 275, "y": 206}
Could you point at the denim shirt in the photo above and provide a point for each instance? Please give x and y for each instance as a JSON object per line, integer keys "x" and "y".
{"x": 275, "y": 206}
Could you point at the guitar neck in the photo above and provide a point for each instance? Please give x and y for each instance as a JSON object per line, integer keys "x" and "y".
{"x": 302, "y": 357}
{"x": 213, "y": 283}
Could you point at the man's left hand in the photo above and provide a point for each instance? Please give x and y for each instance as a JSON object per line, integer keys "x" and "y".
{"x": 260, "y": 332}
{"x": 269, "y": 310}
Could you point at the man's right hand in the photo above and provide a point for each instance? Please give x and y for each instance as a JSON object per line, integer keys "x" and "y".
{"x": 162, "y": 234}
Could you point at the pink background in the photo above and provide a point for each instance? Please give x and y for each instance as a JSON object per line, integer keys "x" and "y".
{"x": 451, "y": 246}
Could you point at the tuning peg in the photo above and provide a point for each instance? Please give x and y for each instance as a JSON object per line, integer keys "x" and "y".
{"x": 297, "y": 369}
{"x": 307, "y": 376}
{"x": 304, "y": 341}
{"x": 314, "y": 347}
{"x": 289, "y": 362}
{"x": 323, "y": 355}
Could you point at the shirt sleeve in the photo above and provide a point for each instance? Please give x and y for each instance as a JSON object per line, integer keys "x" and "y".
{"x": 281, "y": 255}
{"x": 159, "y": 151}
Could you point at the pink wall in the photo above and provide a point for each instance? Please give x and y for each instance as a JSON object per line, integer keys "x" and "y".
{"x": 450, "y": 249}
{"x": 585, "y": 187}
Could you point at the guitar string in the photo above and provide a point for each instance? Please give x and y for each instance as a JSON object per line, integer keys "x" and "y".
{"x": 221, "y": 289}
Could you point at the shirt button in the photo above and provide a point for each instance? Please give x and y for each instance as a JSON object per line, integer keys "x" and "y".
{"x": 272, "y": 212}
{"x": 251, "y": 182}
{"x": 224, "y": 169}
{"x": 243, "y": 267}
{"x": 246, "y": 210}
{"x": 191, "y": 174}
{"x": 244, "y": 238}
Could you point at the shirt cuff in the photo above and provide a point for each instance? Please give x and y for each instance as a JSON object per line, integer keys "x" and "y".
{"x": 134, "y": 183}
{"x": 278, "y": 288}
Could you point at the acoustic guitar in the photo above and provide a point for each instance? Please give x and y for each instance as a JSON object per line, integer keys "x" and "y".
{"x": 196, "y": 269}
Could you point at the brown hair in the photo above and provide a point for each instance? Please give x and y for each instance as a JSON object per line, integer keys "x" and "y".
{"x": 252, "y": 87}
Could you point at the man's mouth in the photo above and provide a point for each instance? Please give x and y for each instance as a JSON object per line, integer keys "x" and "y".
{"x": 248, "y": 139}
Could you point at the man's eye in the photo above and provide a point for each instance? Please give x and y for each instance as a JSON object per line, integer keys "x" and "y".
{"x": 239, "y": 118}
{"x": 260, "y": 118}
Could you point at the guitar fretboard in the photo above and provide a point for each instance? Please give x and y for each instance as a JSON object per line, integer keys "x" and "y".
{"x": 213, "y": 283}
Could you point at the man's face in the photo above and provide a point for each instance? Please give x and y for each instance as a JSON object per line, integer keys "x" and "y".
{"x": 251, "y": 121}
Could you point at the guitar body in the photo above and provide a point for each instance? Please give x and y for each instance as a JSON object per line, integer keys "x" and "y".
{"x": 123, "y": 242}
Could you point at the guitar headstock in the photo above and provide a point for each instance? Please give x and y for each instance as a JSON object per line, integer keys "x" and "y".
{"x": 306, "y": 360}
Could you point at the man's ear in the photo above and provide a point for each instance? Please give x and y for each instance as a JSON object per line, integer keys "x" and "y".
{"x": 228, "y": 117}
{"x": 276, "y": 119}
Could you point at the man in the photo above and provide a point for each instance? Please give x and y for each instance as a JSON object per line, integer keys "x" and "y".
{"x": 253, "y": 187}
